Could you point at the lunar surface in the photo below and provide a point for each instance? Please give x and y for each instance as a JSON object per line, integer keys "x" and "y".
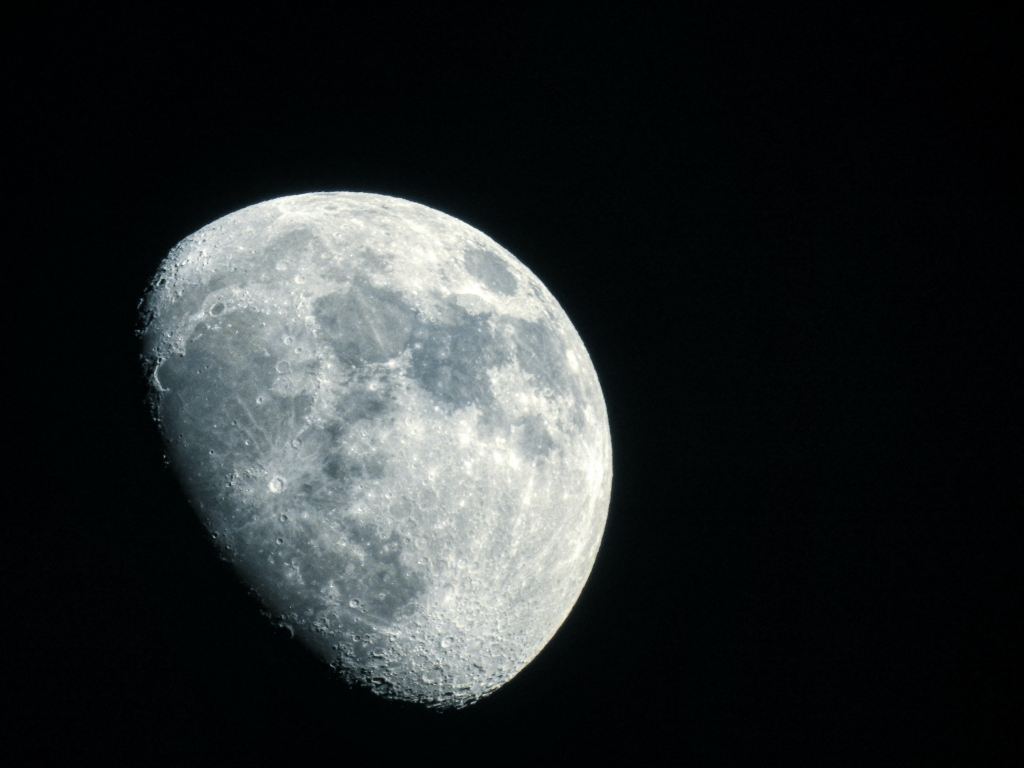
{"x": 390, "y": 428}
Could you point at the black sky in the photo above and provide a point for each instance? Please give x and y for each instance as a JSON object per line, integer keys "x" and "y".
{"x": 789, "y": 240}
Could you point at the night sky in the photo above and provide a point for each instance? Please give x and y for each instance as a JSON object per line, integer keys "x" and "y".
{"x": 790, "y": 241}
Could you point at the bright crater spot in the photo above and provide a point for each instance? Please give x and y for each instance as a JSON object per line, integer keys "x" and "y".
{"x": 391, "y": 429}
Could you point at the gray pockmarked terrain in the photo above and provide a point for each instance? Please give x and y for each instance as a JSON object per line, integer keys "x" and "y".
{"x": 391, "y": 429}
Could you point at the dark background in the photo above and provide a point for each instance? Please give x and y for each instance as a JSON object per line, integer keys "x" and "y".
{"x": 787, "y": 239}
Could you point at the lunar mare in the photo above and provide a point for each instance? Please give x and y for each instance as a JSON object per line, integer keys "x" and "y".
{"x": 391, "y": 429}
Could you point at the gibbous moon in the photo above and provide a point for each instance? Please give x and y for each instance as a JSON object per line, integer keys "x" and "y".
{"x": 390, "y": 428}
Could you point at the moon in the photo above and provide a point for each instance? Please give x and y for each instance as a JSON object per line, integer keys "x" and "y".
{"x": 390, "y": 428}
